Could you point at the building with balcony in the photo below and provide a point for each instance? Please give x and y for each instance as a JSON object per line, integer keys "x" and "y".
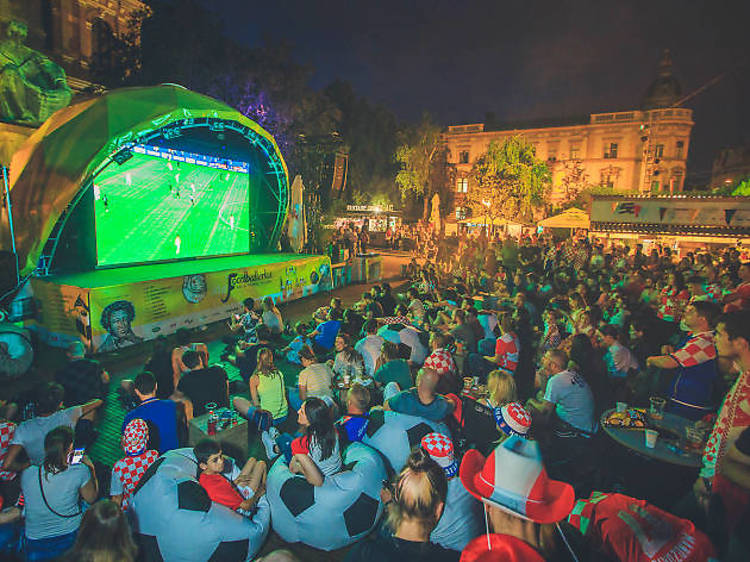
{"x": 641, "y": 150}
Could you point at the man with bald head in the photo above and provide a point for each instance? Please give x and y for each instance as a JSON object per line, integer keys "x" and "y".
{"x": 422, "y": 400}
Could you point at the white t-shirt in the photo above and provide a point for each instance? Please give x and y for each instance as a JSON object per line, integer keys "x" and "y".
{"x": 369, "y": 348}
{"x": 272, "y": 322}
{"x": 61, "y": 491}
{"x": 489, "y": 323}
{"x": 416, "y": 307}
{"x": 410, "y": 336}
{"x": 317, "y": 379}
{"x": 573, "y": 400}
{"x": 31, "y": 433}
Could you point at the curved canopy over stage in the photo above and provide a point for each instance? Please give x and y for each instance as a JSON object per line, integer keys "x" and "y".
{"x": 143, "y": 175}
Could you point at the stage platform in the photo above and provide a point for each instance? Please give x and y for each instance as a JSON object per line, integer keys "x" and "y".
{"x": 109, "y": 309}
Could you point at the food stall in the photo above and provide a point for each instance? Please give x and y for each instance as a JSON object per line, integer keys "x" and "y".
{"x": 377, "y": 219}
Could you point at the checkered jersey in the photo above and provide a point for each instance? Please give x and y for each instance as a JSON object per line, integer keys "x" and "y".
{"x": 127, "y": 472}
{"x": 698, "y": 349}
{"x": 7, "y": 430}
{"x": 442, "y": 361}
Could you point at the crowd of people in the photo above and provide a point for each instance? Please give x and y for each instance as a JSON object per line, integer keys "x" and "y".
{"x": 516, "y": 347}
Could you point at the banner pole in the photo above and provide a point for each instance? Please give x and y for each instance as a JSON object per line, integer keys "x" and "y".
{"x": 10, "y": 221}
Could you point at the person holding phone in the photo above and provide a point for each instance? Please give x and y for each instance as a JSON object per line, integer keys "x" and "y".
{"x": 53, "y": 492}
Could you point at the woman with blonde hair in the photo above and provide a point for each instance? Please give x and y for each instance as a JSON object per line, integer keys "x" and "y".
{"x": 271, "y": 317}
{"x": 501, "y": 389}
{"x": 267, "y": 391}
{"x": 104, "y": 536}
{"x": 415, "y": 504}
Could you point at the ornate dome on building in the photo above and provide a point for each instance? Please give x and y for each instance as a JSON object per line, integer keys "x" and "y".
{"x": 665, "y": 90}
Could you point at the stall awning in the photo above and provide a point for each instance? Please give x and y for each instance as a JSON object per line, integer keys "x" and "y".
{"x": 570, "y": 218}
{"x": 489, "y": 222}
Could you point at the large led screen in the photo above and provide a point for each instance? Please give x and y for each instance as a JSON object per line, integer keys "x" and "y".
{"x": 164, "y": 204}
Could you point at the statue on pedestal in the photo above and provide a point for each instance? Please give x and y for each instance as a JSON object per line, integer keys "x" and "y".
{"x": 32, "y": 87}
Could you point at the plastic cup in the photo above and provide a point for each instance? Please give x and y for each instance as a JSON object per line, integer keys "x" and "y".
{"x": 651, "y": 436}
{"x": 621, "y": 407}
{"x": 657, "y": 407}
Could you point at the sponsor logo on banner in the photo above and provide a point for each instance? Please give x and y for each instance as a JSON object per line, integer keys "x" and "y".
{"x": 244, "y": 279}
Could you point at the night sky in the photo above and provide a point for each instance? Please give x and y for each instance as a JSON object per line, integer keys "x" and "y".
{"x": 521, "y": 59}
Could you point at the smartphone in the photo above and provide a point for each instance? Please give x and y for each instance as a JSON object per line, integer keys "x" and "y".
{"x": 76, "y": 456}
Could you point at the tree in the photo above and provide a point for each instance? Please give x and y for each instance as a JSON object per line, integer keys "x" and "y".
{"x": 574, "y": 181}
{"x": 417, "y": 155}
{"x": 509, "y": 181}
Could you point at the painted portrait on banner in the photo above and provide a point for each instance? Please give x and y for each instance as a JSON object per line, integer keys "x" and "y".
{"x": 117, "y": 319}
{"x": 194, "y": 288}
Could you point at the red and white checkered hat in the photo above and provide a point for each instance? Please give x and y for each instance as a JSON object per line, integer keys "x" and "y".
{"x": 513, "y": 419}
{"x": 135, "y": 437}
{"x": 513, "y": 479}
{"x": 440, "y": 449}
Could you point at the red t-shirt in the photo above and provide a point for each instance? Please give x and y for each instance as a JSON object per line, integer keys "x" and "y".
{"x": 221, "y": 490}
{"x": 507, "y": 347}
{"x": 633, "y": 530}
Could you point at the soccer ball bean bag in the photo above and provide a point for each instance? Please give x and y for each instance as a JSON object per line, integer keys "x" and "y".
{"x": 174, "y": 519}
{"x": 341, "y": 511}
{"x": 394, "y": 435}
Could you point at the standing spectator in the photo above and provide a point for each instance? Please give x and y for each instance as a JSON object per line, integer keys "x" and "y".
{"x": 695, "y": 362}
{"x": 314, "y": 381}
{"x": 369, "y": 346}
{"x": 127, "y": 472}
{"x": 415, "y": 505}
{"x": 83, "y": 379}
{"x": 161, "y": 415}
{"x": 52, "y": 492}
{"x": 30, "y": 434}
{"x": 203, "y": 385}
{"x": 104, "y": 536}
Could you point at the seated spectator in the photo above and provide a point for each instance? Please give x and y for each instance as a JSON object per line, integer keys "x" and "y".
{"x": 387, "y": 301}
{"x": 315, "y": 454}
{"x": 184, "y": 344}
{"x": 440, "y": 359}
{"x": 522, "y": 504}
{"x": 369, "y": 346}
{"x": 392, "y": 369}
{"x": 422, "y": 400}
{"x": 104, "y": 534}
{"x": 462, "y": 517}
{"x": 501, "y": 389}
{"x": 314, "y": 380}
{"x": 267, "y": 391}
{"x": 299, "y": 342}
{"x": 348, "y": 362}
{"x": 352, "y": 322}
{"x": 620, "y": 362}
{"x": 371, "y": 307}
{"x": 83, "y": 379}
{"x": 202, "y": 385}
{"x": 506, "y": 352}
{"x": 415, "y": 504}
{"x": 247, "y": 353}
{"x": 127, "y": 472}
{"x": 271, "y": 317}
{"x": 324, "y": 336}
{"x": 695, "y": 361}
{"x": 411, "y": 337}
{"x": 247, "y": 322}
{"x": 160, "y": 415}
{"x": 30, "y": 434}
{"x": 240, "y": 494}
{"x": 400, "y": 317}
{"x": 416, "y": 307}
{"x": 354, "y": 422}
{"x": 52, "y": 492}
{"x": 160, "y": 364}
{"x": 7, "y": 431}
{"x": 462, "y": 332}
{"x": 551, "y": 337}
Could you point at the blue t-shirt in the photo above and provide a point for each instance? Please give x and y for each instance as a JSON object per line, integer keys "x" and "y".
{"x": 407, "y": 402}
{"x": 161, "y": 416}
{"x": 354, "y": 425}
{"x": 327, "y": 332}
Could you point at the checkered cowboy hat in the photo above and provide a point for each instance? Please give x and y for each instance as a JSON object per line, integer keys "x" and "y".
{"x": 440, "y": 449}
{"x": 135, "y": 437}
{"x": 513, "y": 479}
{"x": 495, "y": 548}
{"x": 513, "y": 419}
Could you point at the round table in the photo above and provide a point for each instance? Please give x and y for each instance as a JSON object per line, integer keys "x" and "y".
{"x": 635, "y": 440}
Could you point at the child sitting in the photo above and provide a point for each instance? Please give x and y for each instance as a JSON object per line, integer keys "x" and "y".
{"x": 299, "y": 342}
{"x": 314, "y": 455}
{"x": 240, "y": 494}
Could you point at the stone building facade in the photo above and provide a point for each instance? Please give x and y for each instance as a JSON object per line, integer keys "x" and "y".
{"x": 641, "y": 150}
{"x": 731, "y": 166}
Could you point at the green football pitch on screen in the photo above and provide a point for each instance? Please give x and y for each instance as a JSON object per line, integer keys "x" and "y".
{"x": 152, "y": 209}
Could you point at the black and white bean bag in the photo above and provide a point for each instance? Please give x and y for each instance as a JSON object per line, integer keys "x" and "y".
{"x": 341, "y": 511}
{"x": 174, "y": 519}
